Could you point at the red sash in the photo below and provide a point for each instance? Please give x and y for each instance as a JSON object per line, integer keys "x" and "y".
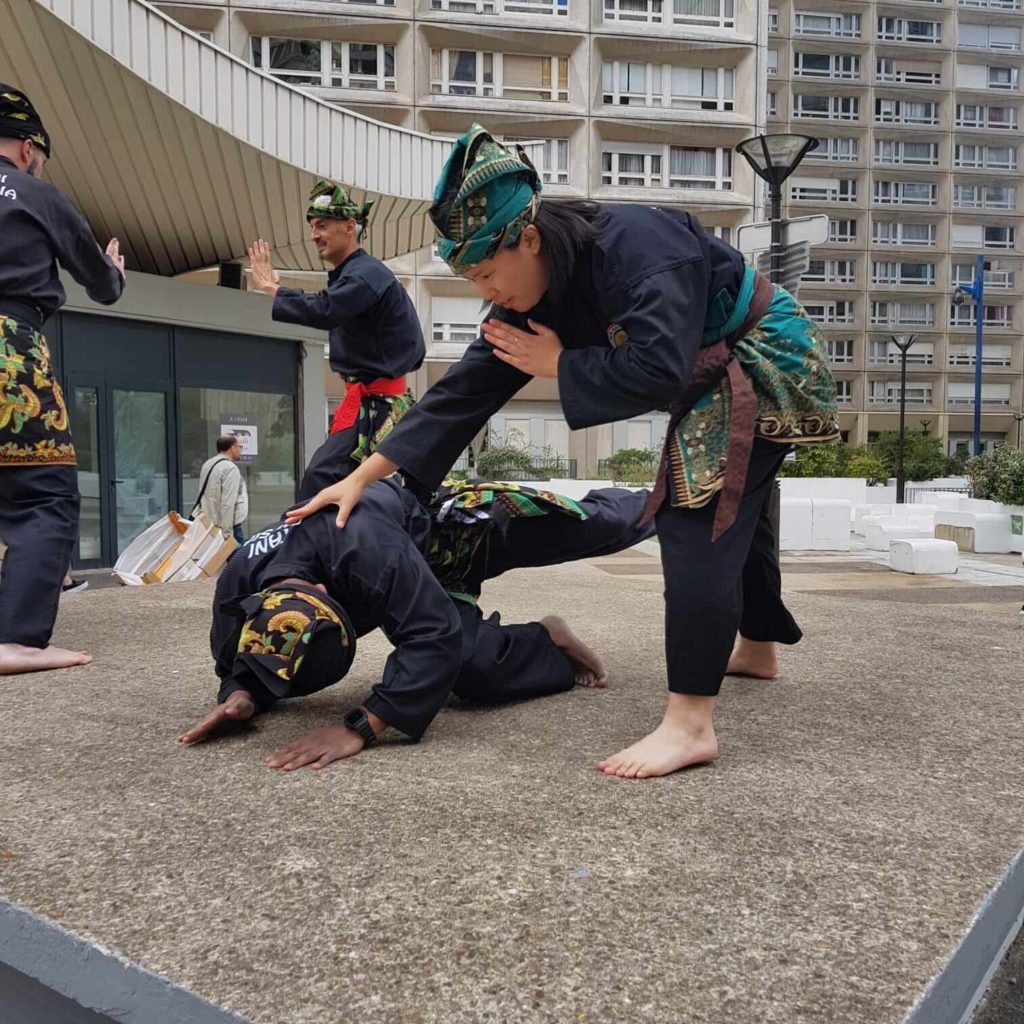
{"x": 347, "y": 413}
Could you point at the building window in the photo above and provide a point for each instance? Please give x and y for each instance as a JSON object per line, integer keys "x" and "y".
{"x": 960, "y": 393}
{"x": 892, "y": 232}
{"x": 991, "y": 355}
{"x": 823, "y": 190}
{"x": 842, "y": 231}
{"x": 835, "y": 150}
{"x": 837, "y": 108}
{"x": 826, "y": 65}
{"x": 992, "y": 315}
{"x": 962, "y": 276}
{"x": 1002, "y": 78}
{"x": 658, "y": 85}
{"x": 713, "y": 13}
{"x": 829, "y": 272}
{"x": 904, "y": 112}
{"x": 989, "y": 37}
{"x": 667, "y": 167}
{"x": 905, "y": 193}
{"x": 910, "y": 154}
{"x": 326, "y": 64}
{"x": 905, "y": 30}
{"x": 887, "y": 392}
{"x": 830, "y": 312}
{"x": 983, "y": 236}
{"x": 903, "y": 314}
{"x": 773, "y": 21}
{"x": 887, "y": 273}
{"x": 542, "y": 7}
{"x": 513, "y": 75}
{"x": 844, "y": 392}
{"x": 772, "y": 62}
{"x": 985, "y": 197}
{"x": 840, "y": 351}
{"x": 996, "y": 158}
{"x": 886, "y": 353}
{"x": 980, "y": 115}
{"x": 910, "y": 72}
{"x": 554, "y": 169}
{"x": 835, "y": 26}
{"x": 773, "y": 104}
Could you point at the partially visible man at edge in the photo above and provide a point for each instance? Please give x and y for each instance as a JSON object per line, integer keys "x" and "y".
{"x": 39, "y": 499}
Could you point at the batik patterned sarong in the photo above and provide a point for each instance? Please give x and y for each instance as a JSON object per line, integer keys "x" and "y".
{"x": 372, "y": 429}
{"x": 786, "y": 360}
{"x": 34, "y": 425}
{"x": 465, "y": 514}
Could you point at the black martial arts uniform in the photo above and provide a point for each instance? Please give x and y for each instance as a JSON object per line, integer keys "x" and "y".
{"x": 377, "y": 570}
{"x": 39, "y": 500}
{"x": 374, "y": 340}
{"x": 633, "y": 320}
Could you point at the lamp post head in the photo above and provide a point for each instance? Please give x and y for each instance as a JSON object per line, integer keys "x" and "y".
{"x": 903, "y": 341}
{"x": 775, "y": 157}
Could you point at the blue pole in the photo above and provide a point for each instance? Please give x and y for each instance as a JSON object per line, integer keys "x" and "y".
{"x": 978, "y": 290}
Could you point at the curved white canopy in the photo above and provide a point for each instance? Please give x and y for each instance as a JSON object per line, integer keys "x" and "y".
{"x": 187, "y": 153}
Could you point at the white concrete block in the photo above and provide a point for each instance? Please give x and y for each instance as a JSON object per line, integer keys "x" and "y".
{"x": 978, "y": 505}
{"x": 879, "y": 536}
{"x": 923, "y": 557}
{"x": 825, "y": 487}
{"x": 830, "y": 524}
{"x": 885, "y": 492}
{"x": 924, "y": 521}
{"x": 795, "y": 527}
{"x": 991, "y": 530}
{"x": 868, "y": 509}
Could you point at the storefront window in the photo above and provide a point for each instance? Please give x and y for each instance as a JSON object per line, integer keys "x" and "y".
{"x": 268, "y": 421}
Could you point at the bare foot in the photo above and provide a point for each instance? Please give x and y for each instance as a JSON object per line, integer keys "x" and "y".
{"x": 590, "y": 670}
{"x": 685, "y": 737}
{"x": 239, "y": 707}
{"x": 14, "y": 659}
{"x": 754, "y": 658}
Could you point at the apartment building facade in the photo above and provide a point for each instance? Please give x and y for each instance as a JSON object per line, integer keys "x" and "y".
{"x": 917, "y": 104}
{"x": 636, "y": 100}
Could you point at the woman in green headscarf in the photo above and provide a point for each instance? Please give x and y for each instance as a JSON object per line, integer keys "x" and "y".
{"x": 633, "y": 308}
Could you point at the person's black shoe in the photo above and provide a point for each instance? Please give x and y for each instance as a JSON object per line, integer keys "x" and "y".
{"x": 75, "y": 585}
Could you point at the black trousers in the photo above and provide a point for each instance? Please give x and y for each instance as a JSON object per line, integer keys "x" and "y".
{"x": 39, "y": 524}
{"x": 333, "y": 461}
{"x": 714, "y": 589}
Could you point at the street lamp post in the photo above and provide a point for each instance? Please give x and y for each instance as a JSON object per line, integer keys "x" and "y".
{"x": 960, "y": 296}
{"x": 903, "y": 343}
{"x": 1018, "y": 416}
{"x": 774, "y": 158}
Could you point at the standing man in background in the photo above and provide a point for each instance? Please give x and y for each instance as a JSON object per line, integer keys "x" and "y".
{"x": 374, "y": 332}
{"x": 222, "y": 491}
{"x": 39, "y": 499}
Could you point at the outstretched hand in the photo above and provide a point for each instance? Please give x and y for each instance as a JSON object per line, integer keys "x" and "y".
{"x": 345, "y": 494}
{"x": 114, "y": 252}
{"x": 317, "y": 748}
{"x": 237, "y": 708}
{"x": 536, "y": 354}
{"x": 260, "y": 270}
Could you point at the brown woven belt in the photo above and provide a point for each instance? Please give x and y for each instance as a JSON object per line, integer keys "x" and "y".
{"x": 711, "y": 365}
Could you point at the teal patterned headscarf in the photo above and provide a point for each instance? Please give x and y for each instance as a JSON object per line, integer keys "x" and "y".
{"x": 485, "y": 197}
{"x": 331, "y": 200}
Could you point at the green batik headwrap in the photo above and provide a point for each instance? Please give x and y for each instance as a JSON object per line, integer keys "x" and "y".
{"x": 484, "y": 198}
{"x": 295, "y": 640}
{"x": 19, "y": 120}
{"x": 332, "y": 200}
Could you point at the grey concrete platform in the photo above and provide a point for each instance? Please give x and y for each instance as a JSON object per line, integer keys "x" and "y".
{"x": 825, "y": 869}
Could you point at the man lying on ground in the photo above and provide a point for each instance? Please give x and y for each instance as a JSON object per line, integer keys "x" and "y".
{"x": 292, "y": 601}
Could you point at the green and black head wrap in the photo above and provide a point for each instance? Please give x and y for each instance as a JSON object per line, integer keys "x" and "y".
{"x": 331, "y": 200}
{"x": 485, "y": 197}
{"x": 19, "y": 120}
{"x": 295, "y": 640}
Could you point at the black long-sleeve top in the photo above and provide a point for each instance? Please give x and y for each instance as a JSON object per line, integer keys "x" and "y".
{"x": 372, "y": 323}
{"x": 39, "y": 230}
{"x": 652, "y": 276}
{"x": 376, "y": 570}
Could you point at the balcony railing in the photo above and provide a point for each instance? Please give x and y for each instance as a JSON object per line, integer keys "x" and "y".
{"x": 994, "y": 5}
{"x": 1002, "y": 279}
{"x": 956, "y": 403}
{"x": 911, "y": 77}
{"x": 957, "y": 361}
{"x": 895, "y": 399}
{"x": 893, "y": 359}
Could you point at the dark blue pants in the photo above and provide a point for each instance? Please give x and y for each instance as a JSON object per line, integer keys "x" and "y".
{"x": 714, "y": 589}
{"x": 39, "y": 524}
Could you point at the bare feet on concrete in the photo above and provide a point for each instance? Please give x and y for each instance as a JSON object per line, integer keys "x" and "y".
{"x": 15, "y": 658}
{"x": 590, "y": 670}
{"x": 754, "y": 658}
{"x": 685, "y": 737}
{"x": 239, "y": 707}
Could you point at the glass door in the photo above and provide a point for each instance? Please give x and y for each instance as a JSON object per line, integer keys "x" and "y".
{"x": 141, "y": 480}
{"x": 85, "y": 429}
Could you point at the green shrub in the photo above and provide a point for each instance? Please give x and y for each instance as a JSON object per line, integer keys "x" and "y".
{"x": 923, "y": 457}
{"x": 503, "y": 461}
{"x": 998, "y": 475}
{"x": 867, "y": 465}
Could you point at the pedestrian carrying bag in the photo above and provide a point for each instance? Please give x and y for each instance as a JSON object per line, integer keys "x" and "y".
{"x": 202, "y": 489}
